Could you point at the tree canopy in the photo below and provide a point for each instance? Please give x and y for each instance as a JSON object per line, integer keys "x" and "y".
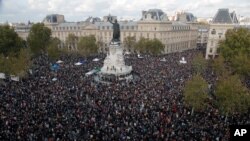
{"x": 199, "y": 63}
{"x": 53, "y": 50}
{"x": 39, "y": 38}
{"x": 130, "y": 42}
{"x": 87, "y": 45}
{"x": 236, "y": 50}
{"x": 232, "y": 96}
{"x": 195, "y": 93}
{"x": 154, "y": 47}
{"x": 14, "y": 55}
{"x": 16, "y": 64}
{"x": 10, "y": 42}
{"x": 71, "y": 39}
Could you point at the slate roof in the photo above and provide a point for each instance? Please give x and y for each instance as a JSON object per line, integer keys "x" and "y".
{"x": 223, "y": 16}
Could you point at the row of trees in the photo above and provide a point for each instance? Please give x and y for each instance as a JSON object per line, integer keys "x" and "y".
{"x": 86, "y": 45}
{"x": 231, "y": 68}
{"x": 89, "y": 45}
{"x": 16, "y": 54}
{"x": 144, "y": 45}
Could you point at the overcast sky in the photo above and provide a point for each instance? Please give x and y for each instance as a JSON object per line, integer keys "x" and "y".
{"x": 79, "y": 10}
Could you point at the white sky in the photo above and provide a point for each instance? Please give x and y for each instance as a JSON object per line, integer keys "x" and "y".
{"x": 79, "y": 10}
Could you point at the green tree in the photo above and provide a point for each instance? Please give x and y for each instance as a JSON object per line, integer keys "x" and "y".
{"x": 39, "y": 38}
{"x": 141, "y": 45}
{"x": 241, "y": 64}
{"x": 218, "y": 66}
{"x": 22, "y": 63}
{"x": 231, "y": 96}
{"x": 16, "y": 64}
{"x": 195, "y": 93}
{"x": 53, "y": 51}
{"x": 199, "y": 63}
{"x": 236, "y": 50}
{"x": 87, "y": 45}
{"x": 10, "y": 42}
{"x": 71, "y": 40}
{"x": 130, "y": 42}
{"x": 154, "y": 47}
{"x": 237, "y": 40}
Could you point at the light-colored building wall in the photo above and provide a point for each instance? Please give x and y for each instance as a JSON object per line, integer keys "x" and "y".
{"x": 216, "y": 34}
{"x": 176, "y": 36}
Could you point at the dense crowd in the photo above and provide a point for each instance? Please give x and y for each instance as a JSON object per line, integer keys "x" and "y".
{"x": 74, "y": 107}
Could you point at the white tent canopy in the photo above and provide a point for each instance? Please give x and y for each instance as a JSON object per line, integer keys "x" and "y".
{"x": 2, "y": 76}
{"x": 59, "y": 62}
{"x": 78, "y": 63}
{"x": 96, "y": 59}
{"x": 127, "y": 52}
{"x": 14, "y": 78}
{"x": 91, "y": 72}
{"x": 54, "y": 79}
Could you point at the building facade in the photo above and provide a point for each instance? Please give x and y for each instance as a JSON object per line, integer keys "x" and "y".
{"x": 222, "y": 21}
{"x": 176, "y": 36}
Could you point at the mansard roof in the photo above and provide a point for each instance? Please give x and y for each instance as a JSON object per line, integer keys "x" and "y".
{"x": 223, "y": 16}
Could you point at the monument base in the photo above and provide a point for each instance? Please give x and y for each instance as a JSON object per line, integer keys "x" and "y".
{"x": 114, "y": 67}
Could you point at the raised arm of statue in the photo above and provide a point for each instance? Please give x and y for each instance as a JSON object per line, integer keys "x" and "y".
{"x": 109, "y": 20}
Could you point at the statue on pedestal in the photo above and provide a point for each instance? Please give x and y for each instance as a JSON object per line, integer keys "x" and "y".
{"x": 116, "y": 30}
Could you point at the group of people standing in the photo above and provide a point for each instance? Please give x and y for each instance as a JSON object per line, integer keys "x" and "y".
{"x": 75, "y": 107}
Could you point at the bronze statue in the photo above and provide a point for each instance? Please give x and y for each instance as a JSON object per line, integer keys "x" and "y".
{"x": 116, "y": 30}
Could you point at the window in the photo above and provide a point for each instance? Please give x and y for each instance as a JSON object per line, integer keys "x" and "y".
{"x": 108, "y": 27}
{"x": 121, "y": 27}
{"x": 211, "y": 50}
{"x": 220, "y": 35}
{"x": 213, "y": 31}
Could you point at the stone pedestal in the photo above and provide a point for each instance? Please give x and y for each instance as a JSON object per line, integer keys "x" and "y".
{"x": 114, "y": 63}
